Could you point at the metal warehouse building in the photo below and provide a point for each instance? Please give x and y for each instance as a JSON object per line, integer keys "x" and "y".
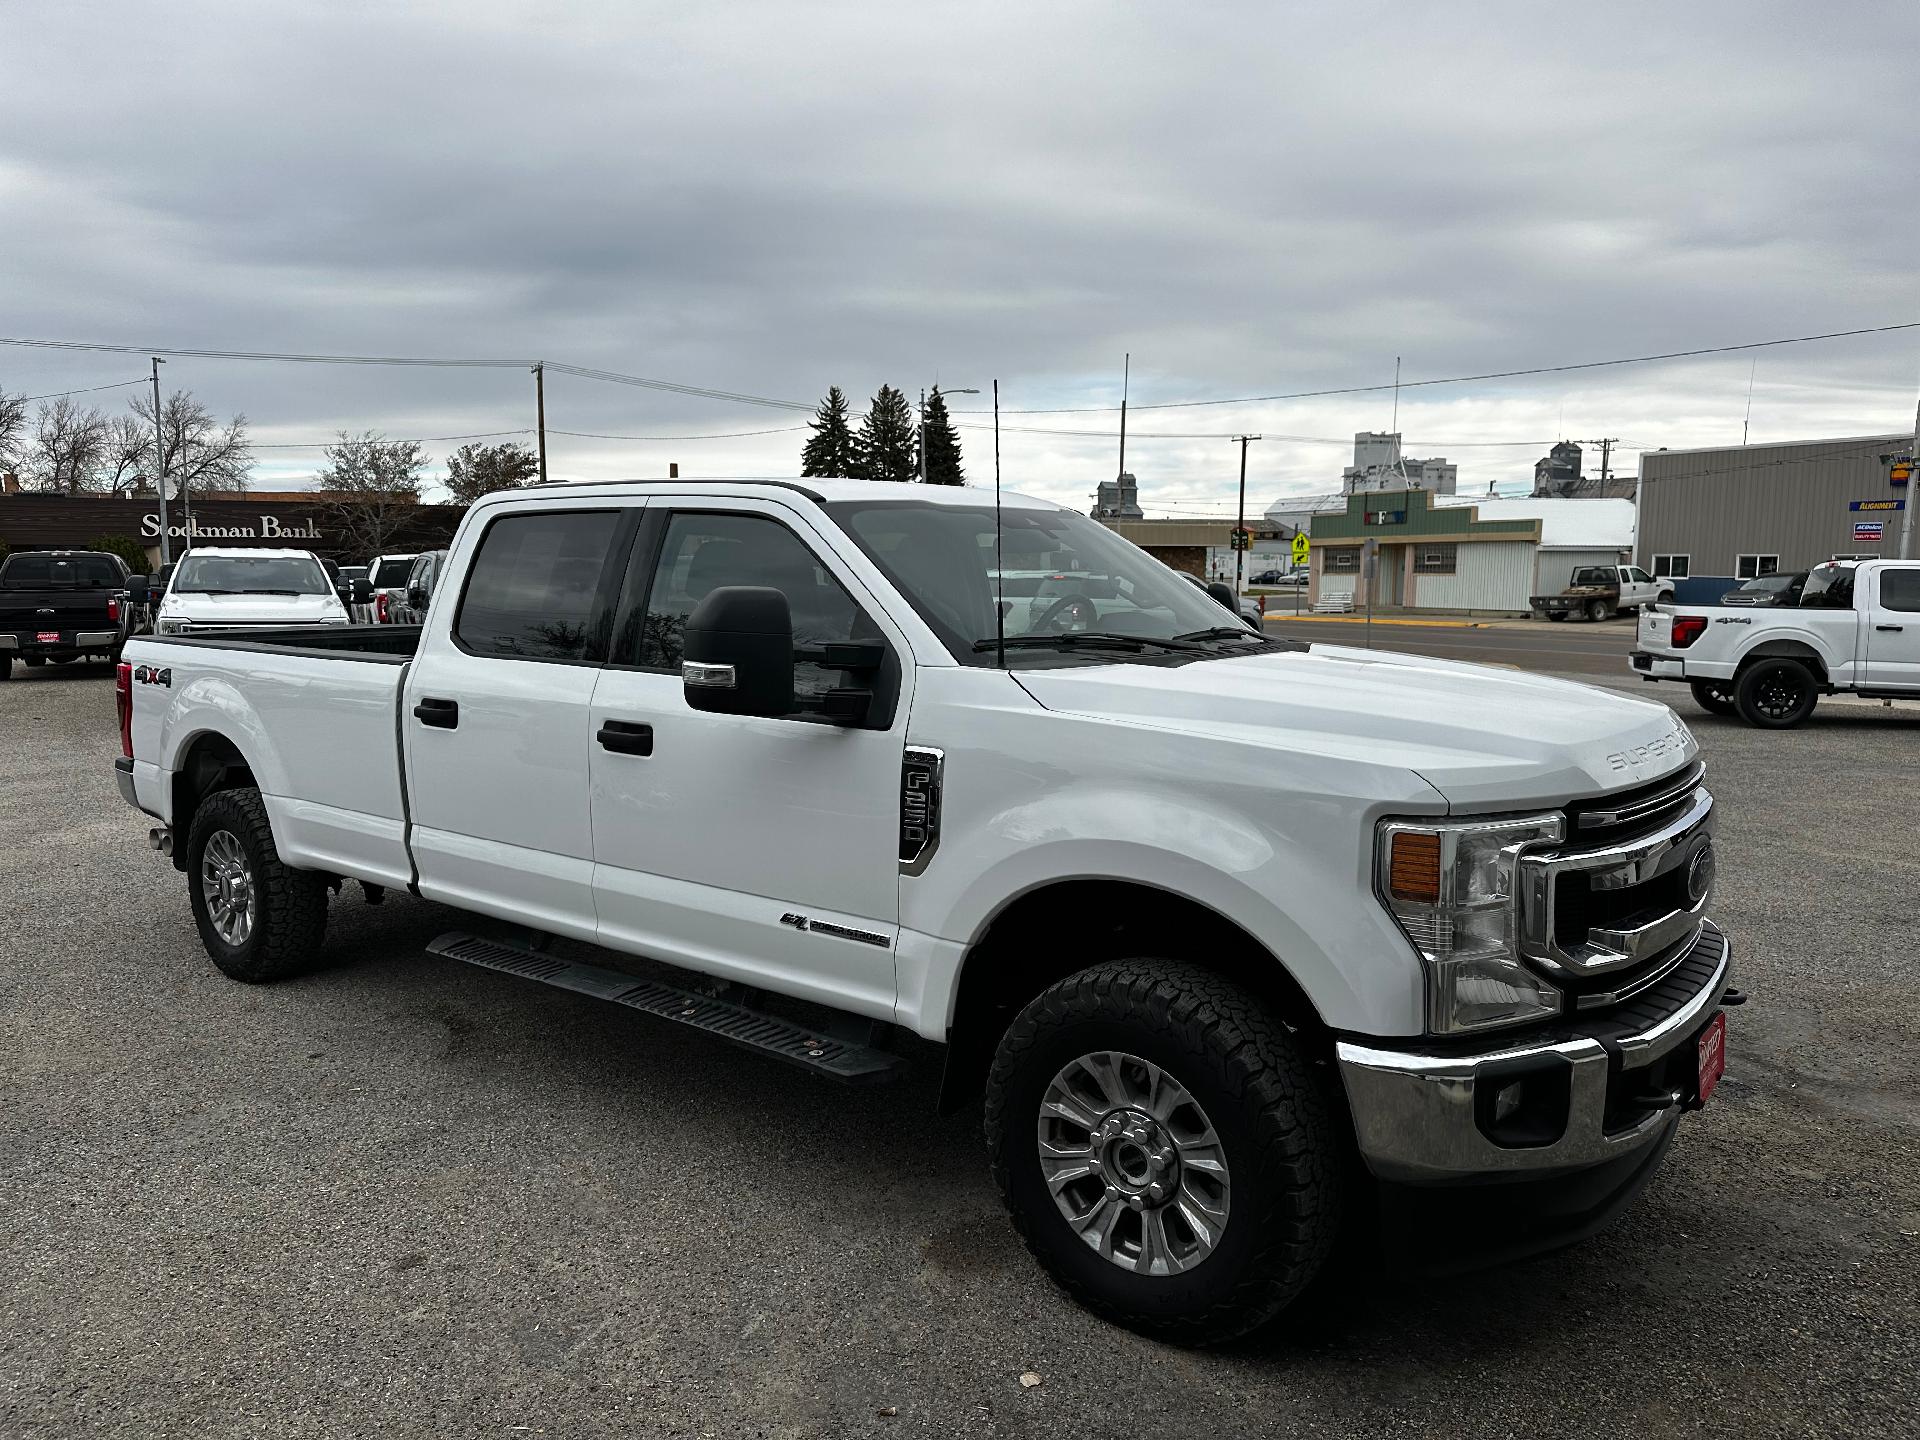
{"x": 1711, "y": 518}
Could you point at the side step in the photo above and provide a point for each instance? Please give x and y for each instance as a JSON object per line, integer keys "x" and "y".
{"x": 753, "y": 1029}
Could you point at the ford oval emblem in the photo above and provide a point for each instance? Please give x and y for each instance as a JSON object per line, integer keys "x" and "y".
{"x": 1700, "y": 874}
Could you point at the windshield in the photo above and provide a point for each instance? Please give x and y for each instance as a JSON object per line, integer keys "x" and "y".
{"x": 250, "y": 575}
{"x": 1767, "y": 584}
{"x": 1060, "y": 575}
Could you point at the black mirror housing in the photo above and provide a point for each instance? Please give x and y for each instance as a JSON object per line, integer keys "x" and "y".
{"x": 359, "y": 592}
{"x": 136, "y": 584}
{"x": 417, "y": 597}
{"x": 1224, "y": 594}
{"x": 737, "y": 653}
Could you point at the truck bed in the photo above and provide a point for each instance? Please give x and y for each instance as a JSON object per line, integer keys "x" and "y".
{"x": 394, "y": 644}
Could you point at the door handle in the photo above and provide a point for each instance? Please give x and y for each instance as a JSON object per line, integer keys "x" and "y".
{"x": 441, "y": 714}
{"x": 625, "y": 737}
{"x": 1889, "y": 627}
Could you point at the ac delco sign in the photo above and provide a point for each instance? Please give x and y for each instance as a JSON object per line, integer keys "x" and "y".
{"x": 270, "y": 527}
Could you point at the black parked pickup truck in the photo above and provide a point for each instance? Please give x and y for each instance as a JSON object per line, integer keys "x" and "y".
{"x": 61, "y": 605}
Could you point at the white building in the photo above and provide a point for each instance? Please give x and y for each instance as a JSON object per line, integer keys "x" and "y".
{"x": 1379, "y": 465}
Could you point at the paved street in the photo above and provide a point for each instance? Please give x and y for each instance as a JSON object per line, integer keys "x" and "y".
{"x": 404, "y": 1196}
{"x": 1569, "y": 648}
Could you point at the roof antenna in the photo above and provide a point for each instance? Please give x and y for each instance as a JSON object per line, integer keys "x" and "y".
{"x": 999, "y": 569}
{"x": 1749, "y": 420}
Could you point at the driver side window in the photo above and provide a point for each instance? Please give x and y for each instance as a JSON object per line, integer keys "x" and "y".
{"x": 701, "y": 552}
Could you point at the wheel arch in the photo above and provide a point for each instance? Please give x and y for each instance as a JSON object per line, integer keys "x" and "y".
{"x": 1063, "y": 926}
{"x": 1786, "y": 649}
{"x": 209, "y": 761}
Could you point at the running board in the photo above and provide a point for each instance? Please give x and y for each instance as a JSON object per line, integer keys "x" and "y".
{"x": 752, "y": 1029}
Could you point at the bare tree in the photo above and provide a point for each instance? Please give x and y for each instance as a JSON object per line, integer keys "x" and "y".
{"x": 476, "y": 470}
{"x": 126, "y": 465}
{"x": 201, "y": 454}
{"x": 69, "y": 448}
{"x": 13, "y": 429}
{"x": 369, "y": 489}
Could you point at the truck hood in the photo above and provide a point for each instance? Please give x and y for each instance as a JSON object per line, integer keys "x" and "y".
{"x": 242, "y": 609}
{"x": 1486, "y": 738}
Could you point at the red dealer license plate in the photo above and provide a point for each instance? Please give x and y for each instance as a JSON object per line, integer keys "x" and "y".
{"x": 48, "y": 637}
{"x": 1713, "y": 1055}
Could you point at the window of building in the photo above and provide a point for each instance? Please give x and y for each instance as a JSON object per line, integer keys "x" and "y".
{"x": 1752, "y": 567}
{"x": 530, "y": 593}
{"x": 1435, "y": 559}
{"x": 703, "y": 552}
{"x": 1900, "y": 589}
{"x": 1343, "y": 562}
{"x": 1672, "y": 567}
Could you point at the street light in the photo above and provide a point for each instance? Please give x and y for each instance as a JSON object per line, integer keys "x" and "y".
{"x": 923, "y": 425}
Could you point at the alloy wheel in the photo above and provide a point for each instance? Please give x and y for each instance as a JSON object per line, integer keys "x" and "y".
{"x": 226, "y": 882}
{"x": 1133, "y": 1163}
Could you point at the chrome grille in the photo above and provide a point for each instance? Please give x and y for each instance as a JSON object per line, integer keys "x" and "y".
{"x": 1643, "y": 805}
{"x": 1624, "y": 905}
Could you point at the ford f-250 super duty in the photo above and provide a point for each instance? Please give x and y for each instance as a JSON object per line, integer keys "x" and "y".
{"x": 1855, "y": 629}
{"x": 1241, "y": 940}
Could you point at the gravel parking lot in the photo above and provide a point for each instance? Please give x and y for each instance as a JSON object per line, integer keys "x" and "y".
{"x": 407, "y": 1197}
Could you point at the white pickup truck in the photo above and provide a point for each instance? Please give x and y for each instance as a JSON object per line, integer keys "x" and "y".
{"x": 1244, "y": 942}
{"x": 1855, "y": 629}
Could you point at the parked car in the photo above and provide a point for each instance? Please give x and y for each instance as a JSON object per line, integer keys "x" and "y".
{"x": 387, "y": 576}
{"x": 416, "y": 594}
{"x": 1294, "y": 576}
{"x": 1599, "y": 592}
{"x": 1768, "y": 590}
{"x": 230, "y": 588}
{"x": 57, "y": 606}
{"x": 1856, "y": 630}
{"x": 1242, "y": 940}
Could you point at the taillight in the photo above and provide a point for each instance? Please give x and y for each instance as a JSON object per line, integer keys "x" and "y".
{"x": 380, "y": 607}
{"x": 113, "y": 608}
{"x": 1687, "y": 629}
{"x": 123, "y": 702}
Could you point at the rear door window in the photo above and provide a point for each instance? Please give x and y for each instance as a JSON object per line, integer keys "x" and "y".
{"x": 1900, "y": 589}
{"x": 534, "y": 590}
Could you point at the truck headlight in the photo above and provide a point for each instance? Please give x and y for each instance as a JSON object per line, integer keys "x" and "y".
{"x": 1451, "y": 886}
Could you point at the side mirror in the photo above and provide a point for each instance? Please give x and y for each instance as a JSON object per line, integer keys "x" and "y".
{"x": 137, "y": 586}
{"x": 1224, "y": 594}
{"x": 359, "y": 592}
{"x": 737, "y": 653}
{"x": 417, "y": 597}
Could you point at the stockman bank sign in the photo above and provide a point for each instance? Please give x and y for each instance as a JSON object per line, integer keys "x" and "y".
{"x": 270, "y": 527}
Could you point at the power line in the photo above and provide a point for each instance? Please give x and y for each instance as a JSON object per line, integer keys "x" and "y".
{"x": 1468, "y": 379}
{"x": 418, "y": 440}
{"x": 91, "y": 389}
{"x": 724, "y": 435}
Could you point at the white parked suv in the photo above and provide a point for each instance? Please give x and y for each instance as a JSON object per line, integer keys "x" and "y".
{"x": 229, "y": 588}
{"x": 1244, "y": 942}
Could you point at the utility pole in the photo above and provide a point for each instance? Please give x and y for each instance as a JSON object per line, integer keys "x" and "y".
{"x": 1906, "y": 516}
{"x": 540, "y": 406}
{"x": 1240, "y": 525}
{"x": 923, "y": 434}
{"x": 160, "y": 464}
{"x": 1126, "y": 375}
{"x": 1606, "y": 459}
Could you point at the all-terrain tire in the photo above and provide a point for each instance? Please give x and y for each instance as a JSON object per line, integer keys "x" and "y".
{"x": 1776, "y": 694}
{"x": 289, "y": 919}
{"x": 1272, "y": 1113}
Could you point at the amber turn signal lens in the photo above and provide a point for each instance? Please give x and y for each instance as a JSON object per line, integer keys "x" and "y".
{"x": 1415, "y": 871}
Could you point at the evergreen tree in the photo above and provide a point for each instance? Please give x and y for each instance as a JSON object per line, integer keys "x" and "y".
{"x": 943, "y": 445}
{"x": 829, "y": 451}
{"x": 885, "y": 448}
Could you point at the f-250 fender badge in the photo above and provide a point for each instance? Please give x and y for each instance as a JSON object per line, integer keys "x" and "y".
{"x": 153, "y": 675}
{"x": 827, "y": 927}
{"x": 922, "y": 775}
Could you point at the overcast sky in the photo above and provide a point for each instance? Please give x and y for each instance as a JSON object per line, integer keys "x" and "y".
{"x": 1252, "y": 199}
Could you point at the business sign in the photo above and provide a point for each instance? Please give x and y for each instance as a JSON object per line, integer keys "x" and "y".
{"x": 1876, "y": 505}
{"x": 1383, "y": 517}
{"x": 271, "y": 527}
{"x": 1869, "y": 532}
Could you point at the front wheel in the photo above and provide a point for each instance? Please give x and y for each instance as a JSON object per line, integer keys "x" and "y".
{"x": 1776, "y": 694}
{"x": 260, "y": 919}
{"x": 1165, "y": 1149}
{"x": 1713, "y": 696}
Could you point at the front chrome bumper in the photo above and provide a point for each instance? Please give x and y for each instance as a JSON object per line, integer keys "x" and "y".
{"x": 1421, "y": 1115}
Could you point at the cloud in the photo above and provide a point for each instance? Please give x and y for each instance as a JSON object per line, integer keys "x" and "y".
{"x": 775, "y": 198}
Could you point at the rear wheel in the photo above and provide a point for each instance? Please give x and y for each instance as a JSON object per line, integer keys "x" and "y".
{"x": 1776, "y": 694}
{"x": 259, "y": 918}
{"x": 1715, "y": 696}
{"x": 1165, "y": 1149}
{"x": 6, "y": 664}
{"x": 1556, "y": 614}
{"x": 1598, "y": 610}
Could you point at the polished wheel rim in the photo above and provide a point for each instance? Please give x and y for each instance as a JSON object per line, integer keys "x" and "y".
{"x": 1133, "y": 1163}
{"x": 226, "y": 881}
